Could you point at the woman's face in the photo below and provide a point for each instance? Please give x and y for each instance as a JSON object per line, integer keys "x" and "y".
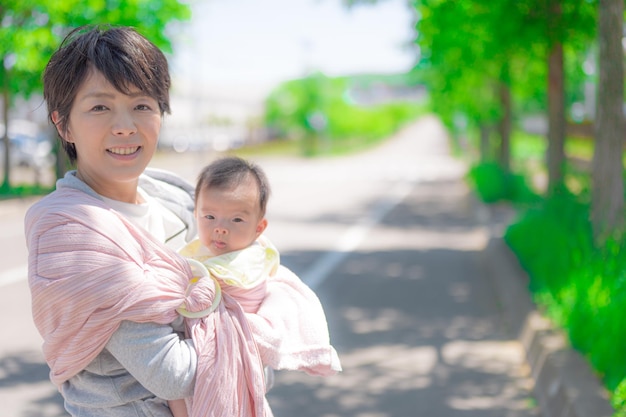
{"x": 115, "y": 136}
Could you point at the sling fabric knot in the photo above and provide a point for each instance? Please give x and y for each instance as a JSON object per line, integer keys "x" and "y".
{"x": 203, "y": 293}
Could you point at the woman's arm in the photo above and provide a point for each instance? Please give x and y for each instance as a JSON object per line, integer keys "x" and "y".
{"x": 155, "y": 355}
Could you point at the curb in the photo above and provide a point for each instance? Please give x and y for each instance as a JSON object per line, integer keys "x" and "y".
{"x": 564, "y": 382}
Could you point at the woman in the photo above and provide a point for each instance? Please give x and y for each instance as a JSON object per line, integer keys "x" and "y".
{"x": 104, "y": 278}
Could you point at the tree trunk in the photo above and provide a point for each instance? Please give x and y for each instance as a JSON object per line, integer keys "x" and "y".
{"x": 504, "y": 126}
{"x": 607, "y": 211}
{"x": 556, "y": 117}
{"x": 485, "y": 146}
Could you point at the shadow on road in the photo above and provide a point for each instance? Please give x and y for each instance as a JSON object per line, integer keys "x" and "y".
{"x": 27, "y": 377}
{"x": 415, "y": 322}
{"x": 22, "y": 368}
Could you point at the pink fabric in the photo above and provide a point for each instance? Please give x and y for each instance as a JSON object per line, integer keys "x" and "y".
{"x": 286, "y": 316}
{"x": 89, "y": 269}
{"x": 249, "y": 299}
{"x": 290, "y": 327}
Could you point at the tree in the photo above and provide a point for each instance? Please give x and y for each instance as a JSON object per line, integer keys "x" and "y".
{"x": 569, "y": 24}
{"x": 472, "y": 57}
{"x": 31, "y": 29}
{"x": 556, "y": 96}
{"x": 607, "y": 212}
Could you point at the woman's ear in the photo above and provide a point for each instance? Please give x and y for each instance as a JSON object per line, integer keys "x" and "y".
{"x": 260, "y": 228}
{"x": 56, "y": 119}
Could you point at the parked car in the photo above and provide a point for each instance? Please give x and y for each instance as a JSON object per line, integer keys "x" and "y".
{"x": 30, "y": 146}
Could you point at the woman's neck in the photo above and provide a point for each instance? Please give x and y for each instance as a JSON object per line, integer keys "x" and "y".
{"x": 124, "y": 191}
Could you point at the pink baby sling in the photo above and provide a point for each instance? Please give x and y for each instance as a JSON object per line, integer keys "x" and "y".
{"x": 286, "y": 317}
{"x": 90, "y": 268}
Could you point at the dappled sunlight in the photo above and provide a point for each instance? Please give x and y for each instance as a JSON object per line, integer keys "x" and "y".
{"x": 459, "y": 291}
{"x": 370, "y": 375}
{"x": 396, "y": 360}
{"x": 392, "y": 269}
{"x": 380, "y": 370}
{"x": 490, "y": 356}
{"x": 490, "y": 402}
{"x": 363, "y": 321}
{"x": 462, "y": 327}
{"x": 426, "y": 238}
{"x": 375, "y": 377}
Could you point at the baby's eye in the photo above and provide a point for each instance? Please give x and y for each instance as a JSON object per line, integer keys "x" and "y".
{"x": 209, "y": 217}
{"x": 237, "y": 220}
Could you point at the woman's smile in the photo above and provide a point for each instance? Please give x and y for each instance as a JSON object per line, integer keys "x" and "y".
{"x": 124, "y": 150}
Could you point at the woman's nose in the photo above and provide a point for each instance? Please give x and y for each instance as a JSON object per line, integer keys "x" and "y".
{"x": 124, "y": 124}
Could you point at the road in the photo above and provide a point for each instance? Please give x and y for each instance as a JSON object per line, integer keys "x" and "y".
{"x": 390, "y": 241}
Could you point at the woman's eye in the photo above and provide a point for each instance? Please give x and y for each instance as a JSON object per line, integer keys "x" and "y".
{"x": 144, "y": 107}
{"x": 99, "y": 107}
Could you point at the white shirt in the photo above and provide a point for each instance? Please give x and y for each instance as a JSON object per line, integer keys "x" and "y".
{"x": 153, "y": 217}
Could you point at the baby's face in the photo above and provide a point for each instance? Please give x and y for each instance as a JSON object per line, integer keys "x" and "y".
{"x": 229, "y": 219}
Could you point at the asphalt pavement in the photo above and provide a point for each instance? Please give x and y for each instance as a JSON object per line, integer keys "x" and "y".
{"x": 412, "y": 309}
{"x": 400, "y": 254}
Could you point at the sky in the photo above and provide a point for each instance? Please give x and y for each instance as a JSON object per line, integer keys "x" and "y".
{"x": 256, "y": 44}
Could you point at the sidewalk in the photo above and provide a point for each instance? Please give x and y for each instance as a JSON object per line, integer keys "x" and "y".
{"x": 564, "y": 382}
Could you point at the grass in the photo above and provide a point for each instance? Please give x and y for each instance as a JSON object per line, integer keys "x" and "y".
{"x": 23, "y": 190}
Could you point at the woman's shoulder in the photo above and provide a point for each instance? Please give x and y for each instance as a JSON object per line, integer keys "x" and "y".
{"x": 66, "y": 199}
{"x": 67, "y": 205}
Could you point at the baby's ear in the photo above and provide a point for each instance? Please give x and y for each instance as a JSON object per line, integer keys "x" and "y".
{"x": 260, "y": 228}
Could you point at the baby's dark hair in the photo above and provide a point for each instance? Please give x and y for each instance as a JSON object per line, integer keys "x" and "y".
{"x": 230, "y": 171}
{"x": 125, "y": 58}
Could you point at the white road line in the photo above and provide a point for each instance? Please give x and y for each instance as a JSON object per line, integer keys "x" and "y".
{"x": 12, "y": 275}
{"x": 324, "y": 265}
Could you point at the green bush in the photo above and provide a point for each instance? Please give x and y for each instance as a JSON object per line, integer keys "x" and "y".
{"x": 581, "y": 286}
{"x": 550, "y": 239}
{"x": 492, "y": 183}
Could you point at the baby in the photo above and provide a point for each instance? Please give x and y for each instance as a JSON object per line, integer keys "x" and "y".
{"x": 285, "y": 315}
{"x": 231, "y": 200}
